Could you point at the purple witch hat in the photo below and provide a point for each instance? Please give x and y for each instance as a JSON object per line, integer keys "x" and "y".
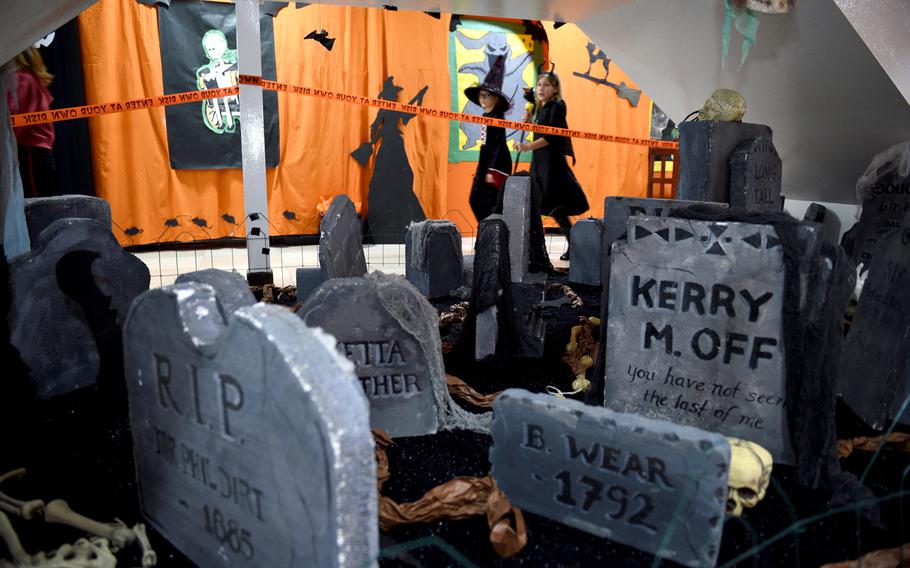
{"x": 492, "y": 83}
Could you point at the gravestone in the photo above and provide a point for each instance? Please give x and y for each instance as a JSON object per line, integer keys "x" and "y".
{"x": 391, "y": 334}
{"x": 829, "y": 222}
{"x": 885, "y": 192}
{"x": 230, "y": 287}
{"x": 880, "y": 218}
{"x": 694, "y": 331}
{"x": 755, "y": 175}
{"x": 433, "y": 257}
{"x": 875, "y": 361}
{"x": 587, "y": 242}
{"x": 508, "y": 320}
{"x": 516, "y": 214}
{"x": 250, "y": 434}
{"x": 308, "y": 278}
{"x": 341, "y": 241}
{"x": 705, "y": 147}
{"x": 42, "y": 211}
{"x": 656, "y": 486}
{"x": 617, "y": 211}
{"x": 491, "y": 280}
{"x": 50, "y": 329}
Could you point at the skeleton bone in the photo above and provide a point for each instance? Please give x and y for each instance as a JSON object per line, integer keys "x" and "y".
{"x": 58, "y": 511}
{"x": 149, "y": 557}
{"x": 25, "y": 509}
{"x": 9, "y": 536}
{"x": 83, "y": 553}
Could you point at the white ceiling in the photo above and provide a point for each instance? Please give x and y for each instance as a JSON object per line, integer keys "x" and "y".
{"x": 24, "y": 22}
{"x": 810, "y": 76}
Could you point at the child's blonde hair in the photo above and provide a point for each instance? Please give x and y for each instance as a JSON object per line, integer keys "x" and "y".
{"x": 31, "y": 60}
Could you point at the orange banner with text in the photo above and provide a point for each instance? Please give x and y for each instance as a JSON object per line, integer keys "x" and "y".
{"x": 86, "y": 111}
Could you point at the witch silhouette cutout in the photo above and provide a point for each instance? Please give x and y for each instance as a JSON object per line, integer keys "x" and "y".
{"x": 391, "y": 202}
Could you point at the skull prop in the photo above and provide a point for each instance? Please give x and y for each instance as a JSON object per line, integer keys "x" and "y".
{"x": 723, "y": 104}
{"x": 750, "y": 473}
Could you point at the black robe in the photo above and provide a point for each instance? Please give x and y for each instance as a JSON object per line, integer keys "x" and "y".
{"x": 562, "y": 194}
{"x": 494, "y": 154}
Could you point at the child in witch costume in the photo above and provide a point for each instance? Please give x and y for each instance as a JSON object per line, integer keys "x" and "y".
{"x": 562, "y": 194}
{"x": 495, "y": 162}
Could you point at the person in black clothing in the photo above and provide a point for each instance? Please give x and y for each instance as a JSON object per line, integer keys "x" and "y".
{"x": 495, "y": 161}
{"x": 562, "y": 194}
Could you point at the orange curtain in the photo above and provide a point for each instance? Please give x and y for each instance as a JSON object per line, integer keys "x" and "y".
{"x": 122, "y": 60}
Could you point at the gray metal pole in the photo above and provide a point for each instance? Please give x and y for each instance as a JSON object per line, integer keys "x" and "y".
{"x": 252, "y": 138}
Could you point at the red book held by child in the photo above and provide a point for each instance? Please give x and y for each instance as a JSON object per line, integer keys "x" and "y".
{"x": 499, "y": 177}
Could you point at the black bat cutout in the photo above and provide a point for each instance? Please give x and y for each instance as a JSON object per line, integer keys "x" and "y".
{"x": 322, "y": 36}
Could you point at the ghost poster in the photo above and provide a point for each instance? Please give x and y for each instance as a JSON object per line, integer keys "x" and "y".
{"x": 474, "y": 45}
{"x": 199, "y": 52}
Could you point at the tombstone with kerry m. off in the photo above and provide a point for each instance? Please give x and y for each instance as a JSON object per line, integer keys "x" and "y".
{"x": 755, "y": 175}
{"x": 705, "y": 148}
{"x": 40, "y": 212}
{"x": 694, "y": 331}
{"x": 433, "y": 257}
{"x": 231, "y": 288}
{"x": 50, "y": 329}
{"x": 390, "y": 332}
{"x": 874, "y": 367}
{"x": 656, "y": 486}
{"x": 250, "y": 434}
{"x": 617, "y": 211}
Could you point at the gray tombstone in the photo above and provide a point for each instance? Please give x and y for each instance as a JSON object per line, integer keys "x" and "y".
{"x": 875, "y": 360}
{"x": 521, "y": 301}
{"x": 308, "y": 279}
{"x": 656, "y": 486}
{"x": 694, "y": 331}
{"x": 50, "y": 329}
{"x": 391, "y": 334}
{"x": 705, "y": 147}
{"x": 491, "y": 249}
{"x": 231, "y": 287}
{"x": 516, "y": 213}
{"x": 755, "y": 175}
{"x": 829, "y": 222}
{"x": 885, "y": 192}
{"x": 341, "y": 241}
{"x": 433, "y": 257}
{"x": 40, "y": 212}
{"x": 618, "y": 209}
{"x": 880, "y": 218}
{"x": 250, "y": 434}
{"x": 587, "y": 243}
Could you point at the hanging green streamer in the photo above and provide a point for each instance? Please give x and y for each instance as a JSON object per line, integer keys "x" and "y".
{"x": 746, "y": 23}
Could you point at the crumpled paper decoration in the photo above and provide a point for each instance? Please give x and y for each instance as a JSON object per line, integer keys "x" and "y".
{"x": 897, "y": 441}
{"x": 885, "y": 558}
{"x": 458, "y": 498}
{"x": 462, "y": 391}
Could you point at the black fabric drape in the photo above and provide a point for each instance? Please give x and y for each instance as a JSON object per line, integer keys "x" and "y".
{"x": 72, "y": 150}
